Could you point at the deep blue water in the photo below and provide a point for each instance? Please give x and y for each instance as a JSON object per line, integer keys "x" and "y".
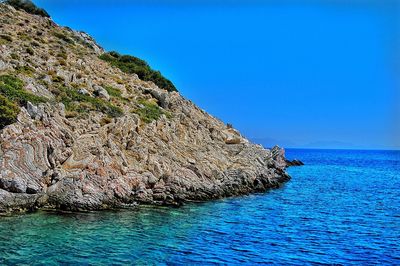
{"x": 342, "y": 207}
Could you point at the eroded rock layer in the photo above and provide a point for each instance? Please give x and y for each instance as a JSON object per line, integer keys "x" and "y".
{"x": 54, "y": 158}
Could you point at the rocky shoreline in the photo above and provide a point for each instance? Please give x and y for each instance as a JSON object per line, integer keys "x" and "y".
{"x": 98, "y": 138}
{"x": 35, "y": 174}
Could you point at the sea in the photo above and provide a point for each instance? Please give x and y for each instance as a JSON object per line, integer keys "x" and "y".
{"x": 341, "y": 208}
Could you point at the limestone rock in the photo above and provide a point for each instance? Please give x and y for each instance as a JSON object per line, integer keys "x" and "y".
{"x": 161, "y": 96}
{"x": 101, "y": 92}
{"x": 89, "y": 41}
{"x": 3, "y": 65}
{"x": 96, "y": 159}
{"x": 83, "y": 91}
{"x": 232, "y": 136}
{"x": 34, "y": 111}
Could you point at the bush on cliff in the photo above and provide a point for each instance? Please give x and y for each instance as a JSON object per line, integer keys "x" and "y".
{"x": 5, "y": 39}
{"x": 130, "y": 64}
{"x": 28, "y": 6}
{"x": 114, "y": 92}
{"x": 12, "y": 88}
{"x": 12, "y": 95}
{"x": 65, "y": 38}
{"x": 80, "y": 103}
{"x": 149, "y": 111}
{"x": 8, "y": 112}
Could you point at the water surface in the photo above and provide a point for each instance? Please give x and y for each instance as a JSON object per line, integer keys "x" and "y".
{"x": 343, "y": 207}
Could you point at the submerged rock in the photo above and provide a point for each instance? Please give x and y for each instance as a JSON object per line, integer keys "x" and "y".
{"x": 294, "y": 163}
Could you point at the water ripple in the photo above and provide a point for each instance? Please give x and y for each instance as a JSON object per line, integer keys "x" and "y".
{"x": 341, "y": 208}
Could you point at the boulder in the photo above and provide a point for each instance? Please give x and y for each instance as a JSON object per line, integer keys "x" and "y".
{"x": 15, "y": 185}
{"x": 3, "y": 65}
{"x": 83, "y": 91}
{"x": 232, "y": 136}
{"x": 101, "y": 92}
{"x": 161, "y": 96}
{"x": 34, "y": 111}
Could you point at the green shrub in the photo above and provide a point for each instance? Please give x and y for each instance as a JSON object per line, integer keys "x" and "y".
{"x": 12, "y": 88}
{"x": 62, "y": 55}
{"x": 23, "y": 36}
{"x": 12, "y": 94}
{"x": 113, "y": 91}
{"x": 76, "y": 102}
{"x": 14, "y": 56}
{"x": 11, "y": 80}
{"x": 105, "y": 121}
{"x": 4, "y": 39}
{"x": 149, "y": 111}
{"x": 57, "y": 79}
{"x": 62, "y": 62}
{"x": 62, "y": 36}
{"x": 130, "y": 64}
{"x": 8, "y": 112}
{"x": 30, "y": 51}
{"x": 28, "y": 6}
{"x": 25, "y": 70}
{"x": 36, "y": 44}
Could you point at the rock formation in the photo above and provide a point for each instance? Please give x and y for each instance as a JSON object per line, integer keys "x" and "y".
{"x": 89, "y": 147}
{"x": 294, "y": 163}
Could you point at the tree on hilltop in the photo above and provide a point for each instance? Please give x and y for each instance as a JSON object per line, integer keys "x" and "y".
{"x": 28, "y": 6}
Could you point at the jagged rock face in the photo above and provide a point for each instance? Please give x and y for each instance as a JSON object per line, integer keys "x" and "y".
{"x": 49, "y": 159}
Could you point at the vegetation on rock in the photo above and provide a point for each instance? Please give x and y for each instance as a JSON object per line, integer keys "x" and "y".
{"x": 12, "y": 94}
{"x": 4, "y": 39}
{"x": 80, "y": 103}
{"x": 28, "y": 6}
{"x": 8, "y": 112}
{"x": 30, "y": 51}
{"x": 25, "y": 70}
{"x": 133, "y": 65}
{"x": 149, "y": 111}
{"x": 63, "y": 37}
{"x": 12, "y": 88}
{"x": 114, "y": 92}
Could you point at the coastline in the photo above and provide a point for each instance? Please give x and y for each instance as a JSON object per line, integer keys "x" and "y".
{"x": 90, "y": 134}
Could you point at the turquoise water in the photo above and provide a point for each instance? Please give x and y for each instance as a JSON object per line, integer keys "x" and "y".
{"x": 343, "y": 207}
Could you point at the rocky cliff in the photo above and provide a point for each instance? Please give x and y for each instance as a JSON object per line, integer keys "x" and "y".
{"x": 88, "y": 136}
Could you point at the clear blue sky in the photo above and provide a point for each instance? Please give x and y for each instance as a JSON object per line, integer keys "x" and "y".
{"x": 299, "y": 73}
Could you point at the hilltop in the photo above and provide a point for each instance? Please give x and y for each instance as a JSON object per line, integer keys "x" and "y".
{"x": 82, "y": 129}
